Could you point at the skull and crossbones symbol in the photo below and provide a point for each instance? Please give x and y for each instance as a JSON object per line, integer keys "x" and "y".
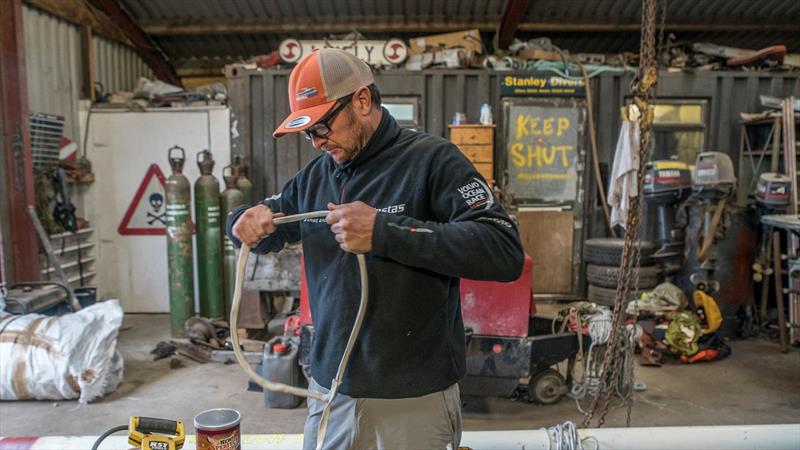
{"x": 156, "y": 201}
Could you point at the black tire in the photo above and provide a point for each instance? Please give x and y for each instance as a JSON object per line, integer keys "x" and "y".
{"x": 608, "y": 296}
{"x": 607, "y": 276}
{"x": 608, "y": 251}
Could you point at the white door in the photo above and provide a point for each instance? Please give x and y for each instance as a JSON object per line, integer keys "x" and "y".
{"x": 122, "y": 147}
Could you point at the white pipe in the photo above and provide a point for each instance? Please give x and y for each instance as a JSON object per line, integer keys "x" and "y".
{"x": 729, "y": 437}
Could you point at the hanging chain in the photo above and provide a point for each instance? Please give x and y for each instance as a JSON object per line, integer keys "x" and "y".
{"x": 621, "y": 343}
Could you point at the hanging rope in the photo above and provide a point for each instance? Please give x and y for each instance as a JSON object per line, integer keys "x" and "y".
{"x": 617, "y": 367}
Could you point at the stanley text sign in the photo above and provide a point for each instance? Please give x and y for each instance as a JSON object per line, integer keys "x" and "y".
{"x": 541, "y": 84}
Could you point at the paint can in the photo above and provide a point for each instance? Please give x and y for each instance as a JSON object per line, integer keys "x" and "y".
{"x": 218, "y": 429}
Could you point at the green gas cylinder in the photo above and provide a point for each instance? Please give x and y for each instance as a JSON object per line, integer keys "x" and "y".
{"x": 209, "y": 238}
{"x": 179, "y": 243}
{"x": 242, "y": 182}
{"x": 230, "y": 198}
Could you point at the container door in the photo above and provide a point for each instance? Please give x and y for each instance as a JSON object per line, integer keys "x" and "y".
{"x": 545, "y": 154}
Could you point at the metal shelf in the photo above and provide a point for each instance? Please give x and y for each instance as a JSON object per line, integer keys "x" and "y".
{"x": 70, "y": 265}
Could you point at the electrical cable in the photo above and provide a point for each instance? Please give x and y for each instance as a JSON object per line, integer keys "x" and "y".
{"x": 108, "y": 433}
{"x": 284, "y": 388}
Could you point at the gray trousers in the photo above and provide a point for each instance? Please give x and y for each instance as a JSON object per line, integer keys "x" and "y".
{"x": 432, "y": 421}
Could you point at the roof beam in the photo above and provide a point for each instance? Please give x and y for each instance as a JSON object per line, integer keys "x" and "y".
{"x": 178, "y": 28}
{"x": 513, "y": 14}
{"x": 81, "y": 14}
{"x": 142, "y": 45}
{"x": 380, "y": 25}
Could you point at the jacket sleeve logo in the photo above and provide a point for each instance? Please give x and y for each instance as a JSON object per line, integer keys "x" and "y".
{"x": 477, "y": 193}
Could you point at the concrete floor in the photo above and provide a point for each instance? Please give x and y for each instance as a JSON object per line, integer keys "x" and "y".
{"x": 755, "y": 385}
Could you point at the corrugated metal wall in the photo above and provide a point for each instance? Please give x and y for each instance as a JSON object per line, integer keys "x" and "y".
{"x": 116, "y": 66}
{"x": 53, "y": 67}
{"x": 259, "y": 102}
{"x": 53, "y": 64}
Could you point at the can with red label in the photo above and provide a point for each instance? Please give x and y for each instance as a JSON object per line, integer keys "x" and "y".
{"x": 218, "y": 429}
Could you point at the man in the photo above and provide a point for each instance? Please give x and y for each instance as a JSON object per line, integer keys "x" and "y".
{"x": 423, "y": 216}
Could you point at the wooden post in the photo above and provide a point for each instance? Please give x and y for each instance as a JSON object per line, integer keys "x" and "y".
{"x": 16, "y": 144}
{"x": 777, "y": 263}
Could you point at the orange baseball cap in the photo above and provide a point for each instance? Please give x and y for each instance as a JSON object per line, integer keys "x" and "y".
{"x": 315, "y": 84}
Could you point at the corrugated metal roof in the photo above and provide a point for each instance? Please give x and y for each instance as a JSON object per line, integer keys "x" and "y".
{"x": 763, "y": 22}
{"x": 589, "y": 11}
{"x": 678, "y": 11}
{"x": 147, "y": 11}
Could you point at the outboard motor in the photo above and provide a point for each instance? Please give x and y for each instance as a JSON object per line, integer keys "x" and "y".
{"x": 714, "y": 177}
{"x": 714, "y": 183}
{"x": 666, "y": 185}
{"x": 772, "y": 197}
{"x": 772, "y": 192}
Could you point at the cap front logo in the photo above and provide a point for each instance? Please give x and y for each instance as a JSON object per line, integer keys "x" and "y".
{"x": 306, "y": 93}
{"x": 298, "y": 122}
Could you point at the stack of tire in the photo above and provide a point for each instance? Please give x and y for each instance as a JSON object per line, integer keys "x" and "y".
{"x": 603, "y": 256}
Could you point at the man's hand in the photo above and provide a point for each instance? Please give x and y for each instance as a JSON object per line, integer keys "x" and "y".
{"x": 254, "y": 224}
{"x": 352, "y": 225}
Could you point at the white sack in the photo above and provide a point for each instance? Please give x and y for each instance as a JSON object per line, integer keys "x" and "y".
{"x": 61, "y": 357}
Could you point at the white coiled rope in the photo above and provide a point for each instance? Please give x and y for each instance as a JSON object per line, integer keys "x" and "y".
{"x": 285, "y": 388}
{"x": 565, "y": 437}
{"x": 599, "y": 324}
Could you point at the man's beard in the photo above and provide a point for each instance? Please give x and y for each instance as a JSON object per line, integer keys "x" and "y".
{"x": 361, "y": 133}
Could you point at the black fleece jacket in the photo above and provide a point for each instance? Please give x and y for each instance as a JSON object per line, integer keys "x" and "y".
{"x": 437, "y": 222}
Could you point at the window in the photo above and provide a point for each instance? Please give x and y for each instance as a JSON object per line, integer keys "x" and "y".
{"x": 405, "y": 110}
{"x": 678, "y": 129}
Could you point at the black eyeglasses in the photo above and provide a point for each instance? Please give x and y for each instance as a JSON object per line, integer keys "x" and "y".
{"x": 322, "y": 128}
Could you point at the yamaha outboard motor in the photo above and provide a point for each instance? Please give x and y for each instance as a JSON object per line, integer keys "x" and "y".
{"x": 666, "y": 185}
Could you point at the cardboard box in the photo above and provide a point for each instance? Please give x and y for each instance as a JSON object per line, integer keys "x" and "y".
{"x": 468, "y": 39}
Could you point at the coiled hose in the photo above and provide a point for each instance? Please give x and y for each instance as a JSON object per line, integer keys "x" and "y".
{"x": 285, "y": 388}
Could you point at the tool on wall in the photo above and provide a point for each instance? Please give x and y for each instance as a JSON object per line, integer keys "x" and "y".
{"x": 179, "y": 231}
{"x": 64, "y": 210}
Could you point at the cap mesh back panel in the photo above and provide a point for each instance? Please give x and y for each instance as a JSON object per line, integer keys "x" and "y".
{"x": 342, "y": 72}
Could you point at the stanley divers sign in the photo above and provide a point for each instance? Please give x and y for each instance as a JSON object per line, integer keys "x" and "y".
{"x": 541, "y": 84}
